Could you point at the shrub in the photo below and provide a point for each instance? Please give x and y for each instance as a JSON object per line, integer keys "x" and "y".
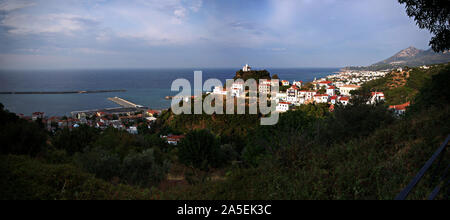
{"x": 200, "y": 149}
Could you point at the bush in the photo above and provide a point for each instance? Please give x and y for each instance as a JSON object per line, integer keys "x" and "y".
{"x": 200, "y": 149}
{"x": 75, "y": 140}
{"x": 100, "y": 162}
{"x": 142, "y": 169}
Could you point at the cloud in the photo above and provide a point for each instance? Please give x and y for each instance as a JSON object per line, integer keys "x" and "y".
{"x": 11, "y": 5}
{"x": 49, "y": 23}
{"x": 192, "y": 31}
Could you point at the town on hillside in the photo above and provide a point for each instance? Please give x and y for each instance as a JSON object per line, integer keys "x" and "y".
{"x": 333, "y": 90}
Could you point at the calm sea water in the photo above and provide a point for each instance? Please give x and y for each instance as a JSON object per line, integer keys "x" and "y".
{"x": 144, "y": 87}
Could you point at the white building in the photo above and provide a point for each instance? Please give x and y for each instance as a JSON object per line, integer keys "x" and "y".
{"x": 237, "y": 89}
{"x": 308, "y": 94}
{"x": 298, "y": 83}
{"x": 264, "y": 86}
{"x": 132, "y": 130}
{"x": 344, "y": 100}
{"x": 292, "y": 94}
{"x": 346, "y": 89}
{"x": 330, "y": 90}
{"x": 283, "y": 106}
{"x": 376, "y": 97}
{"x": 284, "y": 82}
{"x": 321, "y": 98}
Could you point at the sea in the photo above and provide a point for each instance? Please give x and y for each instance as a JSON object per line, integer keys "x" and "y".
{"x": 147, "y": 87}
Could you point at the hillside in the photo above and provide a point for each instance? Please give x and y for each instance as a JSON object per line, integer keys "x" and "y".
{"x": 411, "y": 57}
{"x": 253, "y": 74}
{"x": 358, "y": 151}
{"x": 403, "y": 86}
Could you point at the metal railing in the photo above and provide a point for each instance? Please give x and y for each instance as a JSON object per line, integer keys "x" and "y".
{"x": 438, "y": 155}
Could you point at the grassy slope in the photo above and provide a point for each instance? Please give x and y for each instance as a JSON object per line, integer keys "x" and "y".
{"x": 24, "y": 178}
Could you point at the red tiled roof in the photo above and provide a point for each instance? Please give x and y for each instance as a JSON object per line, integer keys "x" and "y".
{"x": 400, "y": 107}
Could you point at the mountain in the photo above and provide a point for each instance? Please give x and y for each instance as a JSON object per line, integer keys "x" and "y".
{"x": 411, "y": 57}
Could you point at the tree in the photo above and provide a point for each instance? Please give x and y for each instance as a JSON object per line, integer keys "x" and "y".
{"x": 433, "y": 15}
{"x": 18, "y": 136}
{"x": 76, "y": 140}
{"x": 200, "y": 149}
{"x": 142, "y": 169}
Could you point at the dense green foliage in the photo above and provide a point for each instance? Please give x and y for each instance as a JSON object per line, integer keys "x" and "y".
{"x": 434, "y": 16}
{"x": 358, "y": 152}
{"x": 19, "y": 136}
{"x": 22, "y": 177}
{"x": 112, "y": 155}
{"x": 253, "y": 74}
{"x": 200, "y": 149}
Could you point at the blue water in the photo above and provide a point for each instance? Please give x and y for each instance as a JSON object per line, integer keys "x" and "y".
{"x": 144, "y": 87}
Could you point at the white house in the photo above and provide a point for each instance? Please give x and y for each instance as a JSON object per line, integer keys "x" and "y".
{"x": 283, "y": 106}
{"x": 292, "y": 94}
{"x": 376, "y": 97}
{"x": 344, "y": 100}
{"x": 321, "y": 98}
{"x": 264, "y": 86}
{"x": 330, "y": 90}
{"x": 237, "y": 89}
{"x": 400, "y": 109}
{"x": 132, "y": 130}
{"x": 346, "y": 89}
{"x": 308, "y": 94}
{"x": 298, "y": 83}
{"x": 284, "y": 82}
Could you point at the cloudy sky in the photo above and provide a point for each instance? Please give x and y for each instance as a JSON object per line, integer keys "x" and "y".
{"x": 46, "y": 34}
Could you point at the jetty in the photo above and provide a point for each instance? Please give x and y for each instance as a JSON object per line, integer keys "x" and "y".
{"x": 124, "y": 103}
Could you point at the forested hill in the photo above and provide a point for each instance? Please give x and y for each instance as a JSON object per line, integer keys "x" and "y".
{"x": 253, "y": 74}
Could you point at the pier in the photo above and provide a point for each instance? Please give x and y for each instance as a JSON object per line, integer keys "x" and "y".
{"x": 126, "y": 108}
{"x": 124, "y": 103}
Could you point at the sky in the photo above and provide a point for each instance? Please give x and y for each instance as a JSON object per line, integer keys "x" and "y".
{"x": 81, "y": 34}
